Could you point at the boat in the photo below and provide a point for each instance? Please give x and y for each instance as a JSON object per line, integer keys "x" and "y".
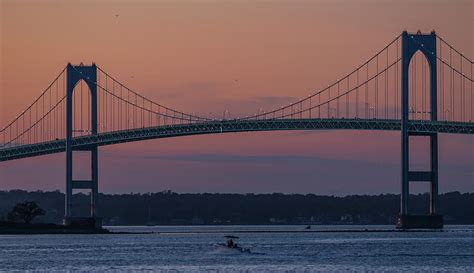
{"x": 231, "y": 245}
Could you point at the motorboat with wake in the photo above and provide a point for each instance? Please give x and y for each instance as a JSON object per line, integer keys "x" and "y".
{"x": 231, "y": 244}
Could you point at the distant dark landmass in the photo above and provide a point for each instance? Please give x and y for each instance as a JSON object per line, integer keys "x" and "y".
{"x": 169, "y": 208}
{"x": 41, "y": 228}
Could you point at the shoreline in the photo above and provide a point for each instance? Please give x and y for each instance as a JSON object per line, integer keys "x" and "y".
{"x": 52, "y": 231}
{"x": 66, "y": 231}
{"x": 42, "y": 228}
{"x": 9, "y": 228}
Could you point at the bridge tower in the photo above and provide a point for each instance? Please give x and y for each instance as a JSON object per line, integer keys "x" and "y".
{"x": 74, "y": 75}
{"x": 426, "y": 44}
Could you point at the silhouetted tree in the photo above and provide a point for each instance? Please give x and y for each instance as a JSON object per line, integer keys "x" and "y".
{"x": 25, "y": 211}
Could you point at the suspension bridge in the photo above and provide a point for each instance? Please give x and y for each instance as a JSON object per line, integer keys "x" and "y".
{"x": 418, "y": 84}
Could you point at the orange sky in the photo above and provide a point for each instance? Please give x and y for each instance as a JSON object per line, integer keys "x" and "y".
{"x": 188, "y": 54}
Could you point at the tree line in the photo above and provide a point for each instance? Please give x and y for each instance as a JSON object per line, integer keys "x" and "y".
{"x": 170, "y": 208}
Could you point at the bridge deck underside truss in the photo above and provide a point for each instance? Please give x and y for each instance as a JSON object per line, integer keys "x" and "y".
{"x": 103, "y": 139}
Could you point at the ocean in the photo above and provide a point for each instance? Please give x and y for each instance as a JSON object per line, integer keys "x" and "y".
{"x": 272, "y": 249}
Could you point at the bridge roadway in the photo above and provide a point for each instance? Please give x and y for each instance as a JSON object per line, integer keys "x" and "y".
{"x": 231, "y": 126}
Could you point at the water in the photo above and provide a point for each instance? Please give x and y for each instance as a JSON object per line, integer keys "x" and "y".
{"x": 192, "y": 249}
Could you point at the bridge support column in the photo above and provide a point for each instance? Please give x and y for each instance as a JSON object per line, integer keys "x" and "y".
{"x": 74, "y": 75}
{"x": 426, "y": 43}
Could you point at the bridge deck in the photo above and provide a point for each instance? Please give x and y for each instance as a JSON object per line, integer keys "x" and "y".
{"x": 231, "y": 126}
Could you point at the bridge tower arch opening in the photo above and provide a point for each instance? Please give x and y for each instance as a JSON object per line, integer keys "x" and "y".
{"x": 419, "y": 106}
{"x": 81, "y": 109}
{"x": 85, "y": 77}
{"x": 412, "y": 45}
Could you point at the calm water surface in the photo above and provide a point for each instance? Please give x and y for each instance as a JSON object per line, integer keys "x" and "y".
{"x": 193, "y": 249}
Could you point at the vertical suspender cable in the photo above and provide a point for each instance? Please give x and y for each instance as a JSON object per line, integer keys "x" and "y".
{"x": 441, "y": 72}
{"x": 112, "y": 106}
{"x": 29, "y": 132}
{"x": 48, "y": 118}
{"x": 319, "y": 105}
{"x": 376, "y": 86}
{"x": 347, "y": 98}
{"x": 309, "y": 107}
{"x": 135, "y": 123}
{"x": 329, "y": 101}
{"x": 122, "y": 125}
{"x": 386, "y": 84}
{"x": 56, "y": 126}
{"x": 357, "y": 95}
{"x": 338, "y": 92}
{"x": 396, "y": 83}
{"x": 112, "y": 102}
{"x": 42, "y": 122}
{"x": 301, "y": 111}
{"x": 367, "y": 93}
{"x": 106, "y": 113}
{"x": 128, "y": 110}
{"x": 462, "y": 90}
{"x": 121, "y": 114}
{"x": 22, "y": 128}
{"x": 451, "y": 83}
{"x": 36, "y": 127}
{"x": 63, "y": 116}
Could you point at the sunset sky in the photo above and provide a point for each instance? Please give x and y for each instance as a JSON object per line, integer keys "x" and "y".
{"x": 209, "y": 56}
